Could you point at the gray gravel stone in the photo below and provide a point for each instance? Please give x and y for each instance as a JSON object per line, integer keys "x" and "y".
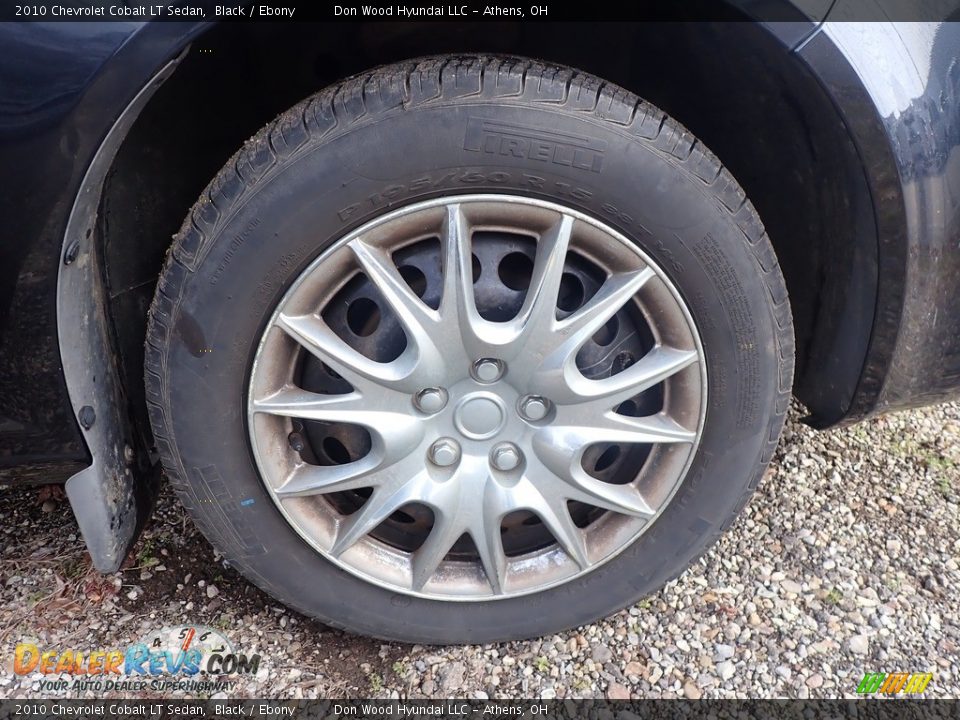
{"x": 724, "y": 652}
{"x": 601, "y": 654}
{"x": 791, "y": 586}
{"x": 616, "y": 691}
{"x": 451, "y": 677}
{"x": 859, "y": 644}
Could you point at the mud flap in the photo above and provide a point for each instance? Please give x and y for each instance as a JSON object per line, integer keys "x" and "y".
{"x": 112, "y": 497}
{"x": 106, "y": 511}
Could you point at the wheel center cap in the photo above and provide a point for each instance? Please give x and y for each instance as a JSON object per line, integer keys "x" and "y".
{"x": 480, "y": 415}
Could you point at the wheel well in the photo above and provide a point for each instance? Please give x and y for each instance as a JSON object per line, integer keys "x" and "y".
{"x": 734, "y": 85}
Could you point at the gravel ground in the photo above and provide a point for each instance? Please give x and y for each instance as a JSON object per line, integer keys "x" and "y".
{"x": 844, "y": 562}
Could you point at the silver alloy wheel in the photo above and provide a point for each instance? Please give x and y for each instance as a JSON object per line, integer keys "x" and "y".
{"x": 477, "y": 420}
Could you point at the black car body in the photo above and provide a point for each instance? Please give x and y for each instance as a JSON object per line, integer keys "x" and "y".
{"x": 846, "y": 135}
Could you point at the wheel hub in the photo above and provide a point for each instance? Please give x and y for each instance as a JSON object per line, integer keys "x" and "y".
{"x": 480, "y": 415}
{"x": 435, "y": 473}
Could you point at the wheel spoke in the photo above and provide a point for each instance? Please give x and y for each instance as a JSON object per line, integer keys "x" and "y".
{"x": 379, "y": 267}
{"x": 457, "y": 260}
{"x": 322, "y": 479}
{"x": 445, "y": 532}
{"x": 381, "y": 504}
{"x": 539, "y": 305}
{"x": 569, "y": 386}
{"x": 294, "y": 402}
{"x": 560, "y": 450}
{"x": 553, "y": 512}
{"x": 623, "y": 499}
{"x": 462, "y": 325}
{"x": 489, "y": 544}
{"x": 395, "y": 430}
{"x": 650, "y": 370}
{"x": 606, "y": 302}
{"x": 576, "y": 427}
{"x": 458, "y": 305}
{"x": 475, "y": 509}
{"x": 659, "y": 428}
{"x": 560, "y": 340}
{"x": 417, "y": 318}
{"x": 357, "y": 369}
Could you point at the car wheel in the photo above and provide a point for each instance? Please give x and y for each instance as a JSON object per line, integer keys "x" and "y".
{"x": 468, "y": 349}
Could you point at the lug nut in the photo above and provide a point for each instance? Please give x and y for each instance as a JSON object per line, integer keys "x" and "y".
{"x": 296, "y": 441}
{"x": 487, "y": 370}
{"x": 505, "y": 456}
{"x": 534, "y": 407}
{"x": 431, "y": 400}
{"x": 445, "y": 452}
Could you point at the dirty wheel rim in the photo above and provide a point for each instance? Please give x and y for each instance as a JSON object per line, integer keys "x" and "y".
{"x": 467, "y": 410}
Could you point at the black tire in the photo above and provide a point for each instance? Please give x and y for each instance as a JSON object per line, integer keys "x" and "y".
{"x": 397, "y": 135}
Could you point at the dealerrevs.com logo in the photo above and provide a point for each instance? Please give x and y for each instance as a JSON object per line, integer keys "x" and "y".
{"x": 191, "y": 658}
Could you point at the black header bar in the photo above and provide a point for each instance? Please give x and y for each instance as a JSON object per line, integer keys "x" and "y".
{"x": 807, "y": 11}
